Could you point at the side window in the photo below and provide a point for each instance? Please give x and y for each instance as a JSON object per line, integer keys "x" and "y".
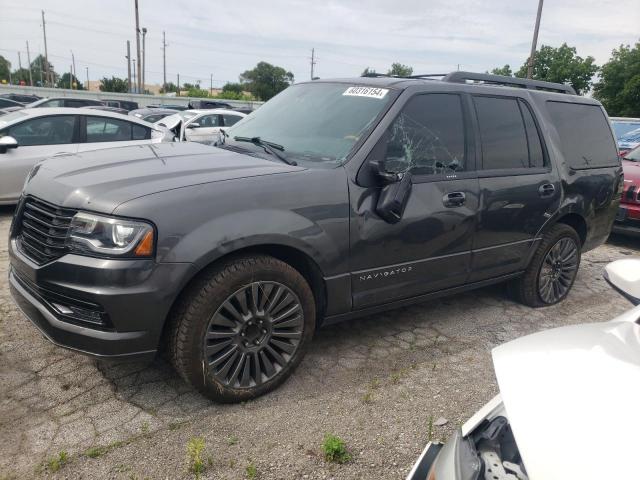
{"x": 502, "y": 133}
{"x": 209, "y": 121}
{"x": 75, "y": 103}
{"x": 55, "y": 130}
{"x": 536, "y": 153}
{"x": 104, "y": 129}
{"x": 427, "y": 137}
{"x": 231, "y": 119}
{"x": 140, "y": 132}
{"x": 585, "y": 135}
{"x": 53, "y": 103}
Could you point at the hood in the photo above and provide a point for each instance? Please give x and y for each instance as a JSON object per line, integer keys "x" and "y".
{"x": 572, "y": 396}
{"x": 631, "y": 171}
{"x": 101, "y": 180}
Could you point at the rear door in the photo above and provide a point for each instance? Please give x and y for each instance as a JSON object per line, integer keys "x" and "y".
{"x": 38, "y": 138}
{"x": 207, "y": 128}
{"x": 518, "y": 189}
{"x": 104, "y": 132}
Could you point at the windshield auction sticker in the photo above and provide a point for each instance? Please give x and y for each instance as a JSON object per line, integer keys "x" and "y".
{"x": 370, "y": 92}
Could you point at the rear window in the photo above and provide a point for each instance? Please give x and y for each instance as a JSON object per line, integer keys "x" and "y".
{"x": 585, "y": 136}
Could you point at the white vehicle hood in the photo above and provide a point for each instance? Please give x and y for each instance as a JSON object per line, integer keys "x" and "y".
{"x": 572, "y": 396}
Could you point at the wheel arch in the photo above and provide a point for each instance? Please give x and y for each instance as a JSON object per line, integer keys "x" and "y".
{"x": 577, "y": 222}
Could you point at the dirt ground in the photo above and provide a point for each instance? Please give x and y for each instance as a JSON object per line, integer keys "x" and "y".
{"x": 378, "y": 383}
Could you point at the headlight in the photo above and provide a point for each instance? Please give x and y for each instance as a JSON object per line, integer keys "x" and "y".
{"x": 110, "y": 236}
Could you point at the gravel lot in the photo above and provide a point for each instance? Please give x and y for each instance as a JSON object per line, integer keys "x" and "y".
{"x": 375, "y": 382}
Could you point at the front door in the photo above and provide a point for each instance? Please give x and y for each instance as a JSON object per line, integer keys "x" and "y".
{"x": 206, "y": 130}
{"x": 429, "y": 248}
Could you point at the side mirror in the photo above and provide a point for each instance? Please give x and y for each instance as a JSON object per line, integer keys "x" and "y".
{"x": 193, "y": 125}
{"x": 395, "y": 193}
{"x": 624, "y": 276}
{"x": 6, "y": 143}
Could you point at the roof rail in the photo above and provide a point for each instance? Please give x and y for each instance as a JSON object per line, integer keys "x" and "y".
{"x": 487, "y": 78}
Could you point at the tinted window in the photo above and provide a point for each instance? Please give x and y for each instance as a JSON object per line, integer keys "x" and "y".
{"x": 504, "y": 140}
{"x": 102, "y": 129}
{"x": 140, "y": 132}
{"x": 53, "y": 103}
{"x": 428, "y": 136}
{"x": 536, "y": 154}
{"x": 585, "y": 136}
{"x": 7, "y": 103}
{"x": 154, "y": 118}
{"x": 208, "y": 121}
{"x": 53, "y": 130}
{"x": 231, "y": 119}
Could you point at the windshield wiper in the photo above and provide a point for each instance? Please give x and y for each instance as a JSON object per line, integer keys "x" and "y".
{"x": 269, "y": 147}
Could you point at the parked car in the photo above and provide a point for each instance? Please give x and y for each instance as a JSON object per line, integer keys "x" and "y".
{"x": 335, "y": 199}
{"x": 629, "y": 141}
{"x": 203, "y": 126}
{"x": 7, "y": 103}
{"x": 208, "y": 104}
{"x": 22, "y": 98}
{"x": 65, "y": 102}
{"x": 30, "y": 135}
{"x": 628, "y": 217}
{"x": 551, "y": 384}
{"x": 622, "y": 125}
{"x": 122, "y": 104}
{"x": 152, "y": 115}
{"x": 121, "y": 111}
{"x": 169, "y": 106}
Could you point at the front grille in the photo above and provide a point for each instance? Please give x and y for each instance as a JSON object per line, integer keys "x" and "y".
{"x": 630, "y": 193}
{"x": 42, "y": 230}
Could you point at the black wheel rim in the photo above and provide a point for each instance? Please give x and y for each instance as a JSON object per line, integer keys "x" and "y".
{"x": 558, "y": 270}
{"x": 254, "y": 334}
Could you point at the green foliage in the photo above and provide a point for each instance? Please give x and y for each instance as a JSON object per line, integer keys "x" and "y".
{"x": 368, "y": 72}
{"x": 95, "y": 452}
{"x": 63, "y": 81}
{"x": 169, "y": 87}
{"x": 235, "y": 88}
{"x": 400, "y": 70}
{"x": 562, "y": 65}
{"x": 5, "y": 68}
{"x": 197, "y": 92}
{"x": 252, "y": 471}
{"x": 38, "y": 70}
{"x": 505, "y": 71}
{"x": 21, "y": 74}
{"x": 619, "y": 85}
{"x": 56, "y": 463}
{"x": 195, "y": 449}
{"x": 114, "y": 84}
{"x": 334, "y": 449}
{"x": 266, "y": 80}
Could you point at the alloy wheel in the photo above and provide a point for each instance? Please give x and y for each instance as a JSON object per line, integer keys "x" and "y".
{"x": 558, "y": 270}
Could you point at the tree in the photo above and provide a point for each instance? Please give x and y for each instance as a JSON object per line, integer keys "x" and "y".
{"x": 169, "y": 87}
{"x": 619, "y": 85}
{"x": 400, "y": 70}
{"x": 63, "y": 82}
{"x": 232, "y": 88}
{"x": 504, "y": 71}
{"x": 114, "y": 84}
{"x": 266, "y": 80}
{"x": 38, "y": 70}
{"x": 20, "y": 75}
{"x": 368, "y": 72}
{"x": 5, "y": 68}
{"x": 562, "y": 65}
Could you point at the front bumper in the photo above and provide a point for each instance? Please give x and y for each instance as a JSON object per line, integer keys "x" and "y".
{"x": 123, "y": 304}
{"x": 627, "y": 220}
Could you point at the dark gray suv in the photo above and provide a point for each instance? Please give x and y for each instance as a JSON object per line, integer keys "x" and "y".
{"x": 335, "y": 199}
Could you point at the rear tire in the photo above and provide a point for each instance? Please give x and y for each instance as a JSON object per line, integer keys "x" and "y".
{"x": 550, "y": 275}
{"x": 242, "y": 328}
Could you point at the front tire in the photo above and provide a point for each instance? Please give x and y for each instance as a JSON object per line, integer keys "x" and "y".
{"x": 242, "y": 328}
{"x": 552, "y": 270}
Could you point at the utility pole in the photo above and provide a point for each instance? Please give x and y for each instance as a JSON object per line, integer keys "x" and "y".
{"x": 73, "y": 62}
{"x": 313, "y": 60}
{"x": 211, "y": 86}
{"x": 128, "y": 57}
{"x": 46, "y": 55}
{"x": 535, "y": 40}
{"x": 178, "y": 88}
{"x": 135, "y": 84}
{"x": 70, "y": 77}
{"x": 164, "y": 61}
{"x": 88, "y": 84}
{"x": 19, "y": 64}
{"x": 144, "y": 53}
{"x": 29, "y": 66}
{"x": 138, "y": 49}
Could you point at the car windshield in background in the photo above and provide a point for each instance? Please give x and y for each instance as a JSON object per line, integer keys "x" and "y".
{"x": 633, "y": 155}
{"x": 316, "y": 121}
{"x": 632, "y": 136}
{"x": 622, "y": 128}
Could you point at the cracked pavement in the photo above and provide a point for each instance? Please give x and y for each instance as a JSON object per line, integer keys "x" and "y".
{"x": 377, "y": 382}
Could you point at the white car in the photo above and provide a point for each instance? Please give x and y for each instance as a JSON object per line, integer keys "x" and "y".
{"x": 567, "y": 408}
{"x": 201, "y": 126}
{"x": 30, "y": 135}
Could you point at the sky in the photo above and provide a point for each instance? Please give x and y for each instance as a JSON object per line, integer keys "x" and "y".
{"x": 224, "y": 38}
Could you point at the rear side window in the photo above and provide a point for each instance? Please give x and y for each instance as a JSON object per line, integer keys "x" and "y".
{"x": 585, "y": 136}
{"x": 140, "y": 132}
{"x": 502, "y": 132}
{"x": 231, "y": 119}
{"x": 104, "y": 129}
{"x": 536, "y": 153}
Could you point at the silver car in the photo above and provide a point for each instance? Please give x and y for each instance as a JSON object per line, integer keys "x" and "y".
{"x": 28, "y": 136}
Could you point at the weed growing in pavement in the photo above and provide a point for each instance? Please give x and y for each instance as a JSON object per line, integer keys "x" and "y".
{"x": 252, "y": 471}
{"x": 232, "y": 440}
{"x": 367, "y": 397}
{"x": 56, "y": 463}
{"x": 95, "y": 452}
{"x": 334, "y": 449}
{"x": 145, "y": 427}
{"x": 195, "y": 448}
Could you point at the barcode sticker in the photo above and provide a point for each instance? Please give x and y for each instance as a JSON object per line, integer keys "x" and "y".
{"x": 371, "y": 92}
